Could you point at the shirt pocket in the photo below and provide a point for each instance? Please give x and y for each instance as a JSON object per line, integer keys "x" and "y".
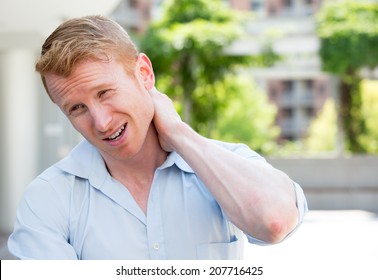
{"x": 220, "y": 251}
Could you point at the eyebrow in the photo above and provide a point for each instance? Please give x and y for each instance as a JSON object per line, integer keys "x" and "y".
{"x": 96, "y": 88}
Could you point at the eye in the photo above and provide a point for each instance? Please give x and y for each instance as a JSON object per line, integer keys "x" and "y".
{"x": 102, "y": 92}
{"x": 106, "y": 93}
{"x": 76, "y": 109}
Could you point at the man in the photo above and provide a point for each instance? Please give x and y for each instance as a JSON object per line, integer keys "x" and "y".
{"x": 143, "y": 184}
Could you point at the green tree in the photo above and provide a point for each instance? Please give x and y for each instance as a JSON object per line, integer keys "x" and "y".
{"x": 348, "y": 31}
{"x": 323, "y": 129}
{"x": 248, "y": 118}
{"x": 369, "y": 140}
{"x": 187, "y": 48}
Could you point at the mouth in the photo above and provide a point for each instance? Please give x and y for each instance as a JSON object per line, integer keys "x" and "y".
{"x": 117, "y": 134}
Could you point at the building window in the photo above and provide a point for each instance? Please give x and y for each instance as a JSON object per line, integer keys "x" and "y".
{"x": 288, "y": 86}
{"x": 273, "y": 93}
{"x": 309, "y": 84}
{"x": 133, "y": 4}
{"x": 257, "y": 5}
{"x": 288, "y": 113}
{"x": 287, "y": 3}
{"x": 310, "y": 112}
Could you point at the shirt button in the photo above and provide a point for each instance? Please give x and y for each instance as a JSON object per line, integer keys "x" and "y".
{"x": 156, "y": 246}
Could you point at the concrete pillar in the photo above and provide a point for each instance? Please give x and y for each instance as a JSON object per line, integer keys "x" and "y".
{"x": 18, "y": 127}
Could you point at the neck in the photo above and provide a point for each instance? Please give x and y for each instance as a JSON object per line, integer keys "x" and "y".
{"x": 140, "y": 168}
{"x": 137, "y": 173}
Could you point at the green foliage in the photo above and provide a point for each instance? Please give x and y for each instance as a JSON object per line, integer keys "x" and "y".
{"x": 187, "y": 49}
{"x": 349, "y": 35}
{"x": 184, "y": 11}
{"x": 348, "y": 31}
{"x": 369, "y": 91}
{"x": 248, "y": 118}
{"x": 191, "y": 38}
{"x": 323, "y": 129}
{"x": 322, "y": 132}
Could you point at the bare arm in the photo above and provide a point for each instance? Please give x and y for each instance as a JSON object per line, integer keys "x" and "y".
{"x": 257, "y": 198}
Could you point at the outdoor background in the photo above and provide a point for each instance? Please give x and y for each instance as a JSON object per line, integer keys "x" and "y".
{"x": 296, "y": 80}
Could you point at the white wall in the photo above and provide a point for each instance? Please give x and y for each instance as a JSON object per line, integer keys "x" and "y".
{"x": 19, "y": 128}
{"x": 335, "y": 182}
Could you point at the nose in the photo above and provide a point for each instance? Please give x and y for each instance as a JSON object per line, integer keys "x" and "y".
{"x": 102, "y": 117}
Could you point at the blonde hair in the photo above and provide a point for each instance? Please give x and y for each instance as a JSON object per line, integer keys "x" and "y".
{"x": 85, "y": 38}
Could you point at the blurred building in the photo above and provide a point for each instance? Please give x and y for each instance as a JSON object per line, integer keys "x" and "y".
{"x": 135, "y": 15}
{"x": 296, "y": 85}
{"x": 35, "y": 134}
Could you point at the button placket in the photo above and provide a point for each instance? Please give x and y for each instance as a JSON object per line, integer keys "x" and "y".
{"x": 154, "y": 223}
{"x": 156, "y": 246}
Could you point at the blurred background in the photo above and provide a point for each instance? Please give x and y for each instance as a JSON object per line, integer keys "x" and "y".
{"x": 294, "y": 79}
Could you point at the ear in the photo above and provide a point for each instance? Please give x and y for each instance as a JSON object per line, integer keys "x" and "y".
{"x": 145, "y": 71}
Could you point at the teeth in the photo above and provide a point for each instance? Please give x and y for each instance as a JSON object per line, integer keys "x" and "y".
{"x": 117, "y": 133}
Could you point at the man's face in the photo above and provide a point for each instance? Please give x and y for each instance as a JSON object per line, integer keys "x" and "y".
{"x": 112, "y": 110}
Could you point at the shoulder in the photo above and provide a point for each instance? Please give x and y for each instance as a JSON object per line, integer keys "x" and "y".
{"x": 55, "y": 184}
{"x": 43, "y": 214}
{"x": 48, "y": 190}
{"x": 67, "y": 179}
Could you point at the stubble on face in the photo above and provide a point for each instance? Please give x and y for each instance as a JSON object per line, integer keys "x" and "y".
{"x": 131, "y": 106}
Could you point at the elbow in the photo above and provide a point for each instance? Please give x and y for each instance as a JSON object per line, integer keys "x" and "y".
{"x": 278, "y": 228}
{"x": 276, "y": 232}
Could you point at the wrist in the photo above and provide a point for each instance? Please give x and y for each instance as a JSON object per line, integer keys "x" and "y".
{"x": 186, "y": 139}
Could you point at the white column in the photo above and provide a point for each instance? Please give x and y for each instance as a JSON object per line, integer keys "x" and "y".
{"x": 19, "y": 129}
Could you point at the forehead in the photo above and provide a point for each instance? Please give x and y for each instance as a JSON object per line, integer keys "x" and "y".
{"x": 85, "y": 69}
{"x": 85, "y": 75}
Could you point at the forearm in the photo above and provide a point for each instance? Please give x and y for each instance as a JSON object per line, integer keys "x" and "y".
{"x": 257, "y": 198}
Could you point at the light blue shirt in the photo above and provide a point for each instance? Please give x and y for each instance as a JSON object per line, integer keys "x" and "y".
{"x": 76, "y": 210}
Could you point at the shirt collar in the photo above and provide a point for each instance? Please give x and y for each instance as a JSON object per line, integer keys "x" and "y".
{"x": 85, "y": 161}
{"x": 174, "y": 158}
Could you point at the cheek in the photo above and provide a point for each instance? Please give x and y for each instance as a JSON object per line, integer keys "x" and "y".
{"x": 149, "y": 111}
{"x": 144, "y": 106}
{"x": 80, "y": 126}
